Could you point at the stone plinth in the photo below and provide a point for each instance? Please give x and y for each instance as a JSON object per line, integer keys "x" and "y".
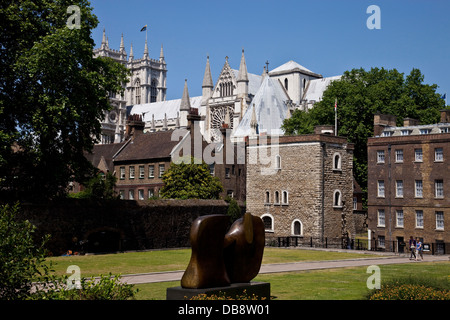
{"x": 260, "y": 289}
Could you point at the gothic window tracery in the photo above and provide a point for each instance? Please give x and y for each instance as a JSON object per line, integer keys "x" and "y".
{"x": 218, "y": 115}
{"x": 153, "y": 91}
{"x": 138, "y": 91}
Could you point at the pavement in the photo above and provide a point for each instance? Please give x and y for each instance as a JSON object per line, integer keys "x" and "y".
{"x": 289, "y": 267}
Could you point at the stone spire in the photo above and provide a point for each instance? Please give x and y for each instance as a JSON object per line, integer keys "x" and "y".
{"x": 123, "y": 54}
{"x": 242, "y": 75}
{"x": 146, "y": 50}
{"x": 185, "y": 104}
{"x": 264, "y": 74}
{"x": 122, "y": 46}
{"x": 165, "y": 128}
{"x": 242, "y": 82}
{"x": 103, "y": 46}
{"x": 161, "y": 54}
{"x": 153, "y": 127}
{"x": 207, "y": 78}
{"x": 131, "y": 53}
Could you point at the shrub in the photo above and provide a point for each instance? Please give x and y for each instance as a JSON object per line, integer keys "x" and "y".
{"x": 234, "y": 211}
{"x": 25, "y": 276}
{"x": 223, "y": 296}
{"x": 409, "y": 292}
{"x": 21, "y": 261}
{"x": 106, "y": 288}
{"x": 413, "y": 288}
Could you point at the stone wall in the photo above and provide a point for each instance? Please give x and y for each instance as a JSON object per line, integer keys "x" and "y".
{"x": 104, "y": 226}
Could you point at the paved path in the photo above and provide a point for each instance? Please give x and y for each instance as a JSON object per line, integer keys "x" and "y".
{"x": 286, "y": 267}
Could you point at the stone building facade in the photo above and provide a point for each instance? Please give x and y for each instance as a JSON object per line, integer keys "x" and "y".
{"x": 147, "y": 83}
{"x": 305, "y": 187}
{"x": 408, "y": 189}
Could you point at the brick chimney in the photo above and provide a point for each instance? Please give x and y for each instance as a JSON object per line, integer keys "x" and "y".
{"x": 135, "y": 126}
{"x": 445, "y": 116}
{"x": 407, "y": 122}
{"x": 197, "y": 141}
{"x": 382, "y": 121}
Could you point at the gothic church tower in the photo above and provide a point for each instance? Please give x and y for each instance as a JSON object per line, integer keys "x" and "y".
{"x": 146, "y": 84}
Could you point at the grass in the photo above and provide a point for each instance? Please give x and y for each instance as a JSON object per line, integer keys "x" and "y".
{"x": 124, "y": 263}
{"x": 170, "y": 260}
{"x": 330, "y": 284}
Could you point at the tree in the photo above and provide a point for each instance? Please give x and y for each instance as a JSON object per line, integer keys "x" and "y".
{"x": 188, "y": 180}
{"x": 360, "y": 94}
{"x": 22, "y": 262}
{"x": 100, "y": 186}
{"x": 233, "y": 211}
{"x": 53, "y": 95}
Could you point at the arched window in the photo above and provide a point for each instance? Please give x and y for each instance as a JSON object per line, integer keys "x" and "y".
{"x": 268, "y": 222}
{"x": 286, "y": 84}
{"x": 153, "y": 91}
{"x": 304, "y": 83}
{"x": 337, "y": 201}
{"x": 284, "y": 197}
{"x": 297, "y": 228}
{"x": 278, "y": 162}
{"x": 137, "y": 91}
{"x": 337, "y": 161}
{"x": 277, "y": 197}
{"x": 267, "y": 198}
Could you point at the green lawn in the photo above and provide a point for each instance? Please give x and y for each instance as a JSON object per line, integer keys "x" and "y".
{"x": 170, "y": 260}
{"x": 330, "y": 284}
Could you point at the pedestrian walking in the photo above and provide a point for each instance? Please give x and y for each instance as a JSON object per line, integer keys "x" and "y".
{"x": 419, "y": 249}
{"x": 412, "y": 247}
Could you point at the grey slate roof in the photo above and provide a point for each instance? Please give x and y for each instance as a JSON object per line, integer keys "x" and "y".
{"x": 270, "y": 110}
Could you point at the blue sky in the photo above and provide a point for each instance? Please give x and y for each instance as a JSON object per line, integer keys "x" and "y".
{"x": 327, "y": 37}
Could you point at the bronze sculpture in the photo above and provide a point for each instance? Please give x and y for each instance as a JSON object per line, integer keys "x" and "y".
{"x": 219, "y": 258}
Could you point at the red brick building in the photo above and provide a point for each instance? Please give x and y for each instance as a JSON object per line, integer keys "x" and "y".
{"x": 144, "y": 158}
{"x": 409, "y": 183}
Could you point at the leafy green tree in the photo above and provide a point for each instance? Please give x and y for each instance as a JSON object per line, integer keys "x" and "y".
{"x": 188, "y": 180}
{"x": 24, "y": 275}
{"x": 53, "y": 95}
{"x": 234, "y": 211}
{"x": 100, "y": 186}
{"x": 21, "y": 261}
{"x": 360, "y": 94}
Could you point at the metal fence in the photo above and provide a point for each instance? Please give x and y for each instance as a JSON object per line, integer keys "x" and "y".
{"x": 435, "y": 248}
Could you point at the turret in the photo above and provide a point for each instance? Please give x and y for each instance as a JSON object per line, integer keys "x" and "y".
{"x": 131, "y": 57}
{"x": 242, "y": 79}
{"x": 123, "y": 54}
{"x": 207, "y": 85}
{"x": 161, "y": 54}
{"x": 185, "y": 106}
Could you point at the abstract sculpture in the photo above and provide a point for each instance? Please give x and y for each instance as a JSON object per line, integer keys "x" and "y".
{"x": 219, "y": 258}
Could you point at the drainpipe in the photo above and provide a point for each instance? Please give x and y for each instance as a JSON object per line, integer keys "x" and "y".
{"x": 323, "y": 190}
{"x": 389, "y": 194}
